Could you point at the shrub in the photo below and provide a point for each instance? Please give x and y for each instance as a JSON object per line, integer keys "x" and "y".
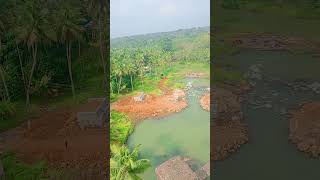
{"x": 120, "y": 127}
{"x": 16, "y": 170}
{"x": 7, "y": 110}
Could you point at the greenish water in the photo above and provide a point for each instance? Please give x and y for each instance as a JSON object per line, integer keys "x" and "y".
{"x": 186, "y": 133}
{"x": 269, "y": 155}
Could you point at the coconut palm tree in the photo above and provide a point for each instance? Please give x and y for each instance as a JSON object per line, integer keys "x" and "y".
{"x": 124, "y": 164}
{"x": 31, "y": 29}
{"x": 4, "y": 17}
{"x": 68, "y": 29}
{"x": 99, "y": 10}
{"x": 6, "y": 97}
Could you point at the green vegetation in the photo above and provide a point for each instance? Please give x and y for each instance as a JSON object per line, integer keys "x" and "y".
{"x": 125, "y": 164}
{"x": 120, "y": 127}
{"x": 52, "y": 53}
{"x": 16, "y": 170}
{"x": 7, "y": 110}
{"x": 138, "y": 63}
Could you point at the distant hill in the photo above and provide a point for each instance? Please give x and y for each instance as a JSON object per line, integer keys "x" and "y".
{"x": 145, "y": 40}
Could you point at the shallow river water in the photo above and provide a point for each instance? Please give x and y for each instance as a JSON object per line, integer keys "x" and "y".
{"x": 269, "y": 155}
{"x": 185, "y": 133}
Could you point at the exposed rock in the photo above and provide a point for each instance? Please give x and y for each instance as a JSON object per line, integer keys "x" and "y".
{"x": 177, "y": 95}
{"x": 177, "y": 168}
{"x": 315, "y": 87}
{"x": 139, "y": 98}
{"x": 271, "y": 42}
{"x": 189, "y": 85}
{"x": 254, "y": 72}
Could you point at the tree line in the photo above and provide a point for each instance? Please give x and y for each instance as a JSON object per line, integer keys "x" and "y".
{"x": 148, "y": 56}
{"x": 130, "y": 65}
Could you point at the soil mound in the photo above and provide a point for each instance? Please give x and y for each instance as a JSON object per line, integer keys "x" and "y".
{"x": 153, "y": 105}
{"x": 228, "y": 132}
{"x": 304, "y": 128}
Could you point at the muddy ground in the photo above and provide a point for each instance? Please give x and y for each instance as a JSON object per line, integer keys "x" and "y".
{"x": 56, "y": 138}
{"x": 304, "y": 128}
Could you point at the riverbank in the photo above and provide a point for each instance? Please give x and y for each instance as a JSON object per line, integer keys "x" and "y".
{"x": 151, "y": 105}
{"x": 304, "y": 128}
{"x": 229, "y": 130}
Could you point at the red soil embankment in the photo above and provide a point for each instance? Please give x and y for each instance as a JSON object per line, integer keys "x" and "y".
{"x": 153, "y": 105}
{"x": 304, "y": 128}
{"x": 228, "y": 132}
{"x": 205, "y": 102}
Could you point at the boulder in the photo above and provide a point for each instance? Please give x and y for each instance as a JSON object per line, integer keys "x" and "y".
{"x": 177, "y": 95}
{"x": 315, "y": 87}
{"x": 140, "y": 97}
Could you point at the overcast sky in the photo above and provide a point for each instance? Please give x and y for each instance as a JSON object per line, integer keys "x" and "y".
{"x": 132, "y": 17}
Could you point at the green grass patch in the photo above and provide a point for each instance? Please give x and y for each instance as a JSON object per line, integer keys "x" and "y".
{"x": 16, "y": 170}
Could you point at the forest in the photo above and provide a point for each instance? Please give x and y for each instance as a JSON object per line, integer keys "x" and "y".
{"x": 50, "y": 50}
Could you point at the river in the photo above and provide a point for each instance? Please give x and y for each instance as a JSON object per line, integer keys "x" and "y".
{"x": 269, "y": 155}
{"x": 186, "y": 133}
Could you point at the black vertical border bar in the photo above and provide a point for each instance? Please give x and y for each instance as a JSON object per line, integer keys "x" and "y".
{"x": 107, "y": 40}
{"x": 211, "y": 84}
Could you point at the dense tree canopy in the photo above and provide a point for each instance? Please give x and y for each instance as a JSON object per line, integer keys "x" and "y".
{"x": 135, "y": 58}
{"x": 41, "y": 43}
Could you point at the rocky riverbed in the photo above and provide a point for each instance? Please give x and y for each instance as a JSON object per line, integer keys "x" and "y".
{"x": 271, "y": 42}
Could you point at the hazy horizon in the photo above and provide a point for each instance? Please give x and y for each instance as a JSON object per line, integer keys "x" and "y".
{"x": 137, "y": 17}
{"x": 158, "y": 32}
